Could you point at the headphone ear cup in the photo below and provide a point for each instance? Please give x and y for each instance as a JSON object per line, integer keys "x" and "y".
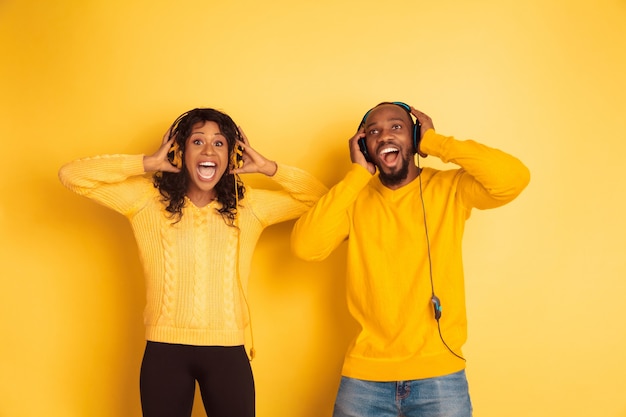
{"x": 363, "y": 148}
{"x": 175, "y": 155}
{"x": 236, "y": 157}
{"x": 416, "y": 136}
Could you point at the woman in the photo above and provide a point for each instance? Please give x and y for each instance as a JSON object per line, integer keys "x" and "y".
{"x": 196, "y": 227}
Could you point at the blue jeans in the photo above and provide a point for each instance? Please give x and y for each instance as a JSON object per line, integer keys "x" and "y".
{"x": 444, "y": 396}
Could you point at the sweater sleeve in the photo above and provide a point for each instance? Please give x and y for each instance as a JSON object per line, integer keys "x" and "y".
{"x": 319, "y": 231}
{"x": 300, "y": 190}
{"x": 115, "y": 181}
{"x": 489, "y": 178}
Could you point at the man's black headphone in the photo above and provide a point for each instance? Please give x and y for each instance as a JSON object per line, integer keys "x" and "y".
{"x": 416, "y": 128}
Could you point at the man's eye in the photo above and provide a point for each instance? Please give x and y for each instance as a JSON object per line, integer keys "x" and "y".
{"x": 396, "y": 127}
{"x": 373, "y": 131}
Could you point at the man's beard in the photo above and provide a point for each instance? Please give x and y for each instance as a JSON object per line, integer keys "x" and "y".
{"x": 398, "y": 176}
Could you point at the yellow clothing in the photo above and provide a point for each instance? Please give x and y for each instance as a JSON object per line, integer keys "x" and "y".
{"x": 193, "y": 294}
{"x": 388, "y": 271}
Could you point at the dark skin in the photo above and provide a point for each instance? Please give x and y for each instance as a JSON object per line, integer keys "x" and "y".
{"x": 389, "y": 141}
{"x": 253, "y": 162}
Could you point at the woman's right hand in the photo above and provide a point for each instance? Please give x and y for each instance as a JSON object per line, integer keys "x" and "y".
{"x": 158, "y": 161}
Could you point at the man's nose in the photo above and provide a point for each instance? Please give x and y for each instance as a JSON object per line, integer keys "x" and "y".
{"x": 385, "y": 134}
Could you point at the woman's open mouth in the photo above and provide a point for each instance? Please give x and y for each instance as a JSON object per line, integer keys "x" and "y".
{"x": 207, "y": 170}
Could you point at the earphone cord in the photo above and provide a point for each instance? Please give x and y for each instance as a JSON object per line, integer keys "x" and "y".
{"x": 430, "y": 262}
{"x": 243, "y": 294}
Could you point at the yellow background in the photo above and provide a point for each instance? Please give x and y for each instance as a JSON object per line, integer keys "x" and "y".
{"x": 546, "y": 275}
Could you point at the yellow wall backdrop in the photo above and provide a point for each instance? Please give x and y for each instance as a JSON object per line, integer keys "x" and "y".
{"x": 546, "y": 275}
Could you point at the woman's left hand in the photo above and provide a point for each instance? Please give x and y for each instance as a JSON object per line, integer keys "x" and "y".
{"x": 253, "y": 162}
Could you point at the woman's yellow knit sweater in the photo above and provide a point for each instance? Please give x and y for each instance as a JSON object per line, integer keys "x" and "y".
{"x": 194, "y": 287}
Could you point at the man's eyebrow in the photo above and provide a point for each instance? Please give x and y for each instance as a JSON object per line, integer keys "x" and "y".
{"x": 388, "y": 120}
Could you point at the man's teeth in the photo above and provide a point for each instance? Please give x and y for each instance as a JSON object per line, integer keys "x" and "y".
{"x": 388, "y": 150}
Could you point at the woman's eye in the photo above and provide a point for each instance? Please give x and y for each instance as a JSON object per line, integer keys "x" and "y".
{"x": 197, "y": 142}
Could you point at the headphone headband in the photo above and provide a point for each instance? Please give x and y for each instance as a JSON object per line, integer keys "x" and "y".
{"x": 405, "y": 106}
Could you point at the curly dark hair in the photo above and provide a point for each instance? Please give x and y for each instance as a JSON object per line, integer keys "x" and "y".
{"x": 173, "y": 186}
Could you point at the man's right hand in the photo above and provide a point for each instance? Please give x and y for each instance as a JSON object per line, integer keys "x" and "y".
{"x": 356, "y": 156}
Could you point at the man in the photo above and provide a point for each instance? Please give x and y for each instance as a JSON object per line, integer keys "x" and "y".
{"x": 405, "y": 284}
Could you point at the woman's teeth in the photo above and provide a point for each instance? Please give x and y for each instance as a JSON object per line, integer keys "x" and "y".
{"x": 206, "y": 170}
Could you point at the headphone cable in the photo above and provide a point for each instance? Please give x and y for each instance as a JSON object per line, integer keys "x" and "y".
{"x": 434, "y": 298}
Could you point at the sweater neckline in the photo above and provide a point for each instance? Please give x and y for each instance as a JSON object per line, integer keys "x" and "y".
{"x": 408, "y": 188}
{"x": 192, "y": 205}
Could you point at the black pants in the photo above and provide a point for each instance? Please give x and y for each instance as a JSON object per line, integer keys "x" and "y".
{"x": 169, "y": 373}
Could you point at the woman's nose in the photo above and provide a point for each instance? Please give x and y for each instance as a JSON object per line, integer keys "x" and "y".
{"x": 207, "y": 149}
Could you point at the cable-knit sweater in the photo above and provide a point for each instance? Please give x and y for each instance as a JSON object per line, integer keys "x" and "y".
{"x": 195, "y": 291}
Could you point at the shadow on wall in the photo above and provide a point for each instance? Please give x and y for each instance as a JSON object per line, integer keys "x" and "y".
{"x": 102, "y": 281}
{"x": 301, "y": 325}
